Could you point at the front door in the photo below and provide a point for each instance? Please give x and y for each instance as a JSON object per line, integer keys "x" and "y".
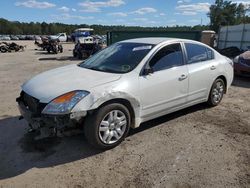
{"x": 167, "y": 86}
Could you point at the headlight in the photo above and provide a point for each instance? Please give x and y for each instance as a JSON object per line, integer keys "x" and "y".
{"x": 64, "y": 103}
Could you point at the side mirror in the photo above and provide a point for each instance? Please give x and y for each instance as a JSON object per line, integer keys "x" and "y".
{"x": 148, "y": 70}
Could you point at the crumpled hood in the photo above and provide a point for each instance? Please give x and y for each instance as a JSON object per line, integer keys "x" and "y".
{"x": 51, "y": 84}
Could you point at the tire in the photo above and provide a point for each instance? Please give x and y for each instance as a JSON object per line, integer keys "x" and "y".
{"x": 54, "y": 49}
{"x": 79, "y": 55}
{"x": 60, "y": 49}
{"x": 48, "y": 50}
{"x": 216, "y": 93}
{"x": 105, "y": 139}
{"x": 3, "y": 49}
{"x": 74, "y": 53}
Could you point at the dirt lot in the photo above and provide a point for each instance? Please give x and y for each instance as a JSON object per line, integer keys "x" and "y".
{"x": 196, "y": 147}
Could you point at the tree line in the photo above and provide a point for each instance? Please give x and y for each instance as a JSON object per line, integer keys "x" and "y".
{"x": 221, "y": 13}
{"x": 36, "y": 28}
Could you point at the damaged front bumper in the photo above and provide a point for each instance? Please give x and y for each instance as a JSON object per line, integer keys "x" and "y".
{"x": 49, "y": 125}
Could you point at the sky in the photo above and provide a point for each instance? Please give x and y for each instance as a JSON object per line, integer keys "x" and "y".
{"x": 109, "y": 12}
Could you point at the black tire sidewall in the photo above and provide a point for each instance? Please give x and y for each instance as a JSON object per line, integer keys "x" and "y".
{"x": 92, "y": 123}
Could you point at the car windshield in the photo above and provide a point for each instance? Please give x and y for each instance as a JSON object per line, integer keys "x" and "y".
{"x": 118, "y": 58}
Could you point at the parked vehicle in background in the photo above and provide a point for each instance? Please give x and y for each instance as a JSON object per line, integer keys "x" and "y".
{"x": 231, "y": 52}
{"x": 37, "y": 38}
{"x": 104, "y": 39}
{"x": 13, "y": 37}
{"x": 21, "y": 37}
{"x": 62, "y": 37}
{"x": 43, "y": 44}
{"x": 30, "y": 37}
{"x": 85, "y": 47}
{"x": 5, "y": 37}
{"x": 54, "y": 46}
{"x": 69, "y": 38}
{"x": 81, "y": 33}
{"x": 50, "y": 45}
{"x": 242, "y": 64}
{"x": 120, "y": 87}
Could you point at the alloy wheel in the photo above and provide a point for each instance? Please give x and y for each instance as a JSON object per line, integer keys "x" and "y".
{"x": 218, "y": 91}
{"x": 112, "y": 127}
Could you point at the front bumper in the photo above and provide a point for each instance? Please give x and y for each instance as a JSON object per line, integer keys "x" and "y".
{"x": 29, "y": 116}
{"x": 49, "y": 125}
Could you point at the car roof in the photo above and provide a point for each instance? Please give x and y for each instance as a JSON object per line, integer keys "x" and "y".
{"x": 155, "y": 40}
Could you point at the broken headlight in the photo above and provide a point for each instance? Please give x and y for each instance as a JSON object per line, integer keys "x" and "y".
{"x": 64, "y": 103}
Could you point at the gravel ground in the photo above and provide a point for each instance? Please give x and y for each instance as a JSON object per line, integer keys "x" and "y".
{"x": 195, "y": 147}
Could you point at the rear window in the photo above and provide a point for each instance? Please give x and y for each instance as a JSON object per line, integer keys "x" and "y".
{"x": 197, "y": 53}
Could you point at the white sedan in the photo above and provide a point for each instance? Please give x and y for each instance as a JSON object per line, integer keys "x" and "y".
{"x": 120, "y": 87}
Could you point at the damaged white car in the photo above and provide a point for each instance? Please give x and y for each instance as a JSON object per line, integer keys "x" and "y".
{"x": 120, "y": 87}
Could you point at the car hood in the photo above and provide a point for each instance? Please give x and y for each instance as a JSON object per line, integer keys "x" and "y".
{"x": 51, "y": 84}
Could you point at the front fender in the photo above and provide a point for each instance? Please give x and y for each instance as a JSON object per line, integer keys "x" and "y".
{"x": 92, "y": 102}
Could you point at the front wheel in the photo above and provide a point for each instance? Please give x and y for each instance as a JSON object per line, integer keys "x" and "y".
{"x": 217, "y": 92}
{"x": 108, "y": 126}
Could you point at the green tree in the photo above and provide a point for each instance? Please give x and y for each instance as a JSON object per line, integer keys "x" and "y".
{"x": 227, "y": 13}
{"x": 32, "y": 28}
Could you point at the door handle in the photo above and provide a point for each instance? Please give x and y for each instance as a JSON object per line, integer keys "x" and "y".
{"x": 183, "y": 77}
{"x": 213, "y": 67}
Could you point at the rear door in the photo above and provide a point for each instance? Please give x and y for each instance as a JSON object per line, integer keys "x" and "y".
{"x": 202, "y": 68}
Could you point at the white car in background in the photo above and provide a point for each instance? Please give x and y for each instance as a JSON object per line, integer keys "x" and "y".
{"x": 62, "y": 37}
{"x": 120, "y": 87}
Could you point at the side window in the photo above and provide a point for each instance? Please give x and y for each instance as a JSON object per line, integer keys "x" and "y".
{"x": 197, "y": 53}
{"x": 167, "y": 57}
{"x": 210, "y": 54}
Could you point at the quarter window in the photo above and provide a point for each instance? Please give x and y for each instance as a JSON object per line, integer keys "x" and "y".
{"x": 167, "y": 57}
{"x": 198, "y": 53}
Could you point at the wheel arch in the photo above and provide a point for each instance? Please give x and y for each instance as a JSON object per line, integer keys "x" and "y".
{"x": 224, "y": 80}
{"x": 124, "y": 102}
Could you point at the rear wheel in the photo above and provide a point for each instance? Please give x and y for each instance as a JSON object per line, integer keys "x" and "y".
{"x": 79, "y": 55}
{"x": 108, "y": 126}
{"x": 217, "y": 92}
